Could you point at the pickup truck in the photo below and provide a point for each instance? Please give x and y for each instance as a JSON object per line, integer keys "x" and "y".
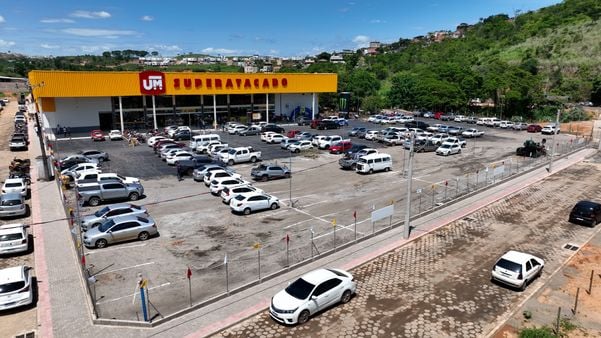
{"x": 95, "y": 193}
{"x": 187, "y": 166}
{"x": 204, "y": 148}
{"x": 269, "y": 171}
{"x": 349, "y": 161}
{"x": 240, "y": 155}
{"x": 329, "y": 141}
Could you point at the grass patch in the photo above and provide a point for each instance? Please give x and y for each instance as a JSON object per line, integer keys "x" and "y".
{"x": 537, "y": 332}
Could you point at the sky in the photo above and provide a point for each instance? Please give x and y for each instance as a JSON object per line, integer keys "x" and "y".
{"x": 231, "y": 28}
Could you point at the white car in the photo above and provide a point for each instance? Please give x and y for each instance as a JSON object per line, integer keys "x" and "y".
{"x": 17, "y": 185}
{"x": 298, "y": 146}
{"x": 447, "y": 149}
{"x": 287, "y": 142}
{"x": 456, "y": 140}
{"x": 517, "y": 269}
{"x": 178, "y": 156}
{"x": 434, "y": 127}
{"x": 218, "y": 183}
{"x": 235, "y": 129}
{"x": 438, "y": 138}
{"x": 205, "y": 148}
{"x": 199, "y": 173}
{"x": 80, "y": 167}
{"x": 406, "y": 119}
{"x": 265, "y": 135}
{"x": 459, "y": 118}
{"x": 154, "y": 139}
{"x": 15, "y": 287}
{"x": 172, "y": 131}
{"x": 211, "y": 175}
{"x": 311, "y": 293}
{"x": 13, "y": 238}
{"x": 114, "y": 176}
{"x": 423, "y": 136}
{"x": 169, "y": 151}
{"x": 317, "y": 139}
{"x": 253, "y": 202}
{"x": 115, "y": 135}
{"x": 275, "y": 138}
{"x": 550, "y": 129}
{"x": 227, "y": 193}
{"x": 374, "y": 118}
{"x": 505, "y": 124}
{"x": 371, "y": 135}
{"x": 472, "y": 132}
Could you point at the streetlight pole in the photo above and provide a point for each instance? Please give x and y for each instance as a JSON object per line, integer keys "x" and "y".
{"x": 40, "y": 132}
{"x": 409, "y": 181}
{"x": 553, "y": 139}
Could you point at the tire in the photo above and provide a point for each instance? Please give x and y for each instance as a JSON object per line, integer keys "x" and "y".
{"x": 540, "y": 272}
{"x": 134, "y": 196}
{"x": 371, "y": 171}
{"x": 297, "y": 151}
{"x": 274, "y": 206}
{"x": 287, "y": 175}
{"x": 253, "y": 159}
{"x": 387, "y": 169}
{"x": 523, "y": 287}
{"x": 346, "y": 297}
{"x": 190, "y": 172}
{"x": 246, "y": 211}
{"x": 101, "y": 243}
{"x": 94, "y": 201}
{"x": 264, "y": 178}
{"x": 100, "y": 160}
{"x": 303, "y": 317}
{"x": 230, "y": 162}
{"x": 459, "y": 151}
{"x": 143, "y": 236}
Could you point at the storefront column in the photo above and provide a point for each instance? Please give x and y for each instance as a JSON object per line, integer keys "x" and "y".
{"x": 145, "y": 109}
{"x": 214, "y": 111}
{"x": 313, "y": 107}
{"x": 252, "y": 103}
{"x": 267, "y": 107}
{"x": 229, "y": 112}
{"x": 154, "y": 113}
{"x": 121, "y": 113}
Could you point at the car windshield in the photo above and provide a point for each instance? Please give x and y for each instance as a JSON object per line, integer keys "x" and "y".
{"x": 446, "y": 146}
{"x": 101, "y": 212}
{"x": 11, "y": 237}
{"x": 240, "y": 197}
{"x": 509, "y": 265}
{"x": 300, "y": 289}
{"x": 10, "y": 203}
{"x": 13, "y": 185}
{"x": 11, "y": 287}
{"x": 106, "y": 225}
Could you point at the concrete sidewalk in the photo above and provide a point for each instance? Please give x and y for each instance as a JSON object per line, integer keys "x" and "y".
{"x": 64, "y": 308}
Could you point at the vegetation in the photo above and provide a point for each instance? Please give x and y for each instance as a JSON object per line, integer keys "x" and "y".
{"x": 542, "y": 332}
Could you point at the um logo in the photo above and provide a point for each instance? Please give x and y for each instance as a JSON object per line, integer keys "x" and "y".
{"x": 152, "y": 82}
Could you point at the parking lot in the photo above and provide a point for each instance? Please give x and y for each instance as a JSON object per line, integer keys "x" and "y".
{"x": 197, "y": 230}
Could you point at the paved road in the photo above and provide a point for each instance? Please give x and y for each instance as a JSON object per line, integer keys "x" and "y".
{"x": 439, "y": 285}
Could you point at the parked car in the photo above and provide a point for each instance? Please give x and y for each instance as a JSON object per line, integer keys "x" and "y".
{"x": 447, "y": 149}
{"x": 472, "y": 132}
{"x": 371, "y": 135}
{"x": 517, "y": 269}
{"x": 250, "y": 131}
{"x": 423, "y": 146}
{"x": 311, "y": 293}
{"x": 180, "y": 155}
{"x": 227, "y": 193}
{"x": 349, "y": 161}
{"x": 550, "y": 129}
{"x": 210, "y": 175}
{"x": 292, "y": 133}
{"x": 205, "y": 148}
{"x": 329, "y": 141}
{"x": 417, "y": 124}
{"x": 97, "y": 155}
{"x": 16, "y": 289}
{"x": 586, "y": 212}
{"x": 70, "y": 172}
{"x": 12, "y": 204}
{"x": 355, "y": 148}
{"x": 273, "y": 127}
{"x": 438, "y": 138}
{"x": 456, "y": 140}
{"x": 298, "y": 146}
{"x": 269, "y": 171}
{"x": 218, "y": 184}
{"x": 110, "y": 211}
{"x": 393, "y": 139}
{"x": 240, "y": 155}
{"x": 305, "y": 135}
{"x": 520, "y": 126}
{"x": 15, "y": 185}
{"x": 327, "y": 124}
{"x": 341, "y": 147}
{"x": 251, "y": 202}
{"x": 95, "y": 193}
{"x": 187, "y": 167}
{"x": 120, "y": 229}
{"x": 182, "y": 135}
{"x": 70, "y": 161}
{"x": 115, "y": 135}
{"x": 97, "y": 135}
{"x": 274, "y": 138}
{"x": 14, "y": 238}
{"x": 17, "y": 143}
{"x": 455, "y": 130}
{"x": 153, "y": 139}
{"x": 355, "y": 130}
{"x": 200, "y": 172}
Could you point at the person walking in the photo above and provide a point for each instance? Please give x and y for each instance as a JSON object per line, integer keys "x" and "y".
{"x": 65, "y": 132}
{"x": 179, "y": 172}
{"x": 68, "y": 132}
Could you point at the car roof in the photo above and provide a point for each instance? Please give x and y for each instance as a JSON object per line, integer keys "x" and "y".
{"x": 11, "y": 228}
{"x": 125, "y": 218}
{"x": 14, "y": 180}
{"x": 118, "y": 205}
{"x": 12, "y": 274}
{"x": 318, "y": 276}
{"x": 587, "y": 204}
{"x": 517, "y": 256}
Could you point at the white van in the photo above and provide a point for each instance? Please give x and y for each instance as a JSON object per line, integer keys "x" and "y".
{"x": 203, "y": 139}
{"x": 374, "y": 162}
{"x": 483, "y": 121}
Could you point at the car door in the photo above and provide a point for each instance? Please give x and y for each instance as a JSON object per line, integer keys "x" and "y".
{"x": 536, "y": 266}
{"x": 118, "y": 233}
{"x": 259, "y": 202}
{"x": 113, "y": 190}
{"x": 276, "y": 172}
{"x": 326, "y": 293}
{"x": 529, "y": 271}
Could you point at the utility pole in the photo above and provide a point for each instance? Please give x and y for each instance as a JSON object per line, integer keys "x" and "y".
{"x": 553, "y": 140}
{"x": 40, "y": 133}
{"x": 409, "y": 180}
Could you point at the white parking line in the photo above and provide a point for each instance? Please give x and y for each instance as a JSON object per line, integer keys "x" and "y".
{"x": 297, "y": 223}
{"x": 131, "y": 294}
{"x": 126, "y": 268}
{"x": 90, "y": 252}
{"x": 340, "y": 227}
{"x": 312, "y": 204}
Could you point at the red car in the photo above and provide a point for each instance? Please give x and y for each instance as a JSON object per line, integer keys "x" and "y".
{"x": 438, "y": 115}
{"x": 292, "y": 133}
{"x": 340, "y": 147}
{"x": 314, "y": 124}
{"x": 534, "y": 128}
{"x": 97, "y": 135}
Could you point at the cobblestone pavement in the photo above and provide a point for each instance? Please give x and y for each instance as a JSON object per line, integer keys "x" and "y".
{"x": 439, "y": 285}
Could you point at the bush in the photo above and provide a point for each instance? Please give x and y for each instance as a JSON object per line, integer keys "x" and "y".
{"x": 542, "y": 332}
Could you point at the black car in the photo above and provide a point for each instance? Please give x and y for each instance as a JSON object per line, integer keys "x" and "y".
{"x": 327, "y": 124}
{"x": 182, "y": 135}
{"x": 273, "y": 127}
{"x": 70, "y": 161}
{"x": 355, "y": 148}
{"x": 586, "y": 212}
{"x": 186, "y": 167}
{"x": 417, "y": 124}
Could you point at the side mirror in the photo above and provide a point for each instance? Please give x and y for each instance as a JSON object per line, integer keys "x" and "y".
{"x": 313, "y": 297}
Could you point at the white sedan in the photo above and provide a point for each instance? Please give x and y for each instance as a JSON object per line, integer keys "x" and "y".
{"x": 15, "y": 287}
{"x": 154, "y": 139}
{"x": 178, "y": 156}
{"x": 472, "y": 132}
{"x": 447, "y": 149}
{"x": 253, "y": 202}
{"x": 218, "y": 183}
{"x": 265, "y": 135}
{"x": 517, "y": 269}
{"x": 115, "y": 135}
{"x": 311, "y": 293}
{"x": 371, "y": 134}
{"x": 298, "y": 146}
{"x": 213, "y": 174}
{"x": 275, "y": 138}
{"x": 16, "y": 185}
{"x": 227, "y": 193}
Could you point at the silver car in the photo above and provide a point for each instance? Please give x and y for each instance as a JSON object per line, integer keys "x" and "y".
{"x": 111, "y": 211}
{"x": 95, "y": 154}
{"x": 12, "y": 204}
{"x": 120, "y": 229}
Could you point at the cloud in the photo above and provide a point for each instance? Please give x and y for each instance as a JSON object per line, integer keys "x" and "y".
{"x": 96, "y": 48}
{"x": 57, "y": 21}
{"x": 107, "y": 33}
{"x": 147, "y": 18}
{"x": 361, "y": 41}
{"x": 48, "y": 46}
{"x": 211, "y": 50}
{"x": 91, "y": 15}
{"x": 274, "y": 52}
{"x": 2, "y": 19}
{"x": 4, "y": 43}
{"x": 376, "y": 21}
{"x": 168, "y": 48}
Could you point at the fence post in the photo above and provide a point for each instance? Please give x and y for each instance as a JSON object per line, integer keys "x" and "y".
{"x": 576, "y": 302}
{"x": 590, "y": 283}
{"x": 433, "y": 192}
{"x": 456, "y": 187}
{"x": 557, "y": 322}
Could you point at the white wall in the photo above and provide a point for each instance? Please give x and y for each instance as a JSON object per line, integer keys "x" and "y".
{"x": 293, "y": 101}
{"x": 78, "y": 112}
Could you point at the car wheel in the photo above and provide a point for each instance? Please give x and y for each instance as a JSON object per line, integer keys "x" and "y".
{"x": 303, "y": 317}
{"x": 247, "y": 211}
{"x": 371, "y": 171}
{"x": 387, "y": 169}
{"x": 190, "y": 172}
{"x": 134, "y": 196}
{"x": 253, "y": 159}
{"x": 94, "y": 201}
{"x": 287, "y": 175}
{"x": 524, "y": 285}
{"x": 274, "y": 206}
{"x": 264, "y": 178}
{"x": 100, "y": 160}
{"x": 143, "y": 236}
{"x": 230, "y": 162}
{"x": 101, "y": 243}
{"x": 297, "y": 150}
{"x": 346, "y": 297}
{"x": 459, "y": 152}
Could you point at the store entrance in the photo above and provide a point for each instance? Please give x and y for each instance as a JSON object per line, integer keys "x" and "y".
{"x": 106, "y": 120}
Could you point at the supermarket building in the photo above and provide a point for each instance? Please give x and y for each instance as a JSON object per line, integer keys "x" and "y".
{"x": 147, "y": 100}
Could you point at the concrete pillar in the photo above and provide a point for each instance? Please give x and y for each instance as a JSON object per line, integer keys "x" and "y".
{"x": 154, "y": 113}
{"x": 121, "y": 113}
{"x": 313, "y": 107}
{"x": 267, "y": 107}
{"x": 214, "y": 111}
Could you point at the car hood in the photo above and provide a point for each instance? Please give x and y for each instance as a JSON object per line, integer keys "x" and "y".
{"x": 89, "y": 219}
{"x": 284, "y": 301}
